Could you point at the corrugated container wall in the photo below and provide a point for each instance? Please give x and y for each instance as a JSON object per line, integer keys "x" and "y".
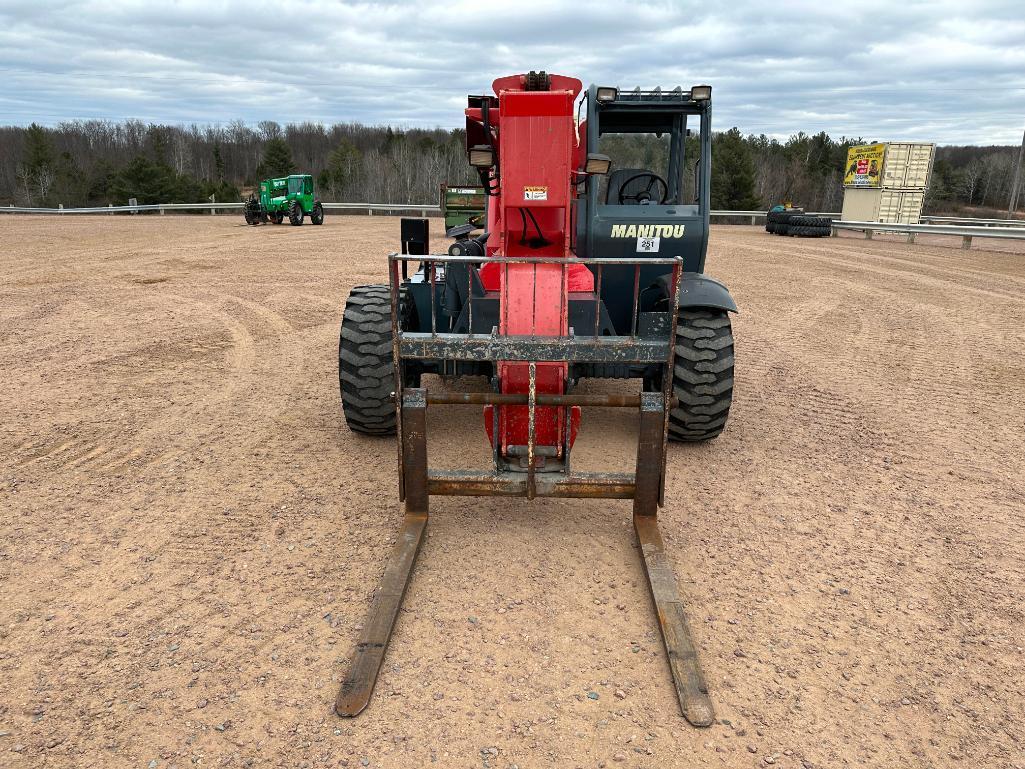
{"x": 882, "y": 205}
{"x": 908, "y": 166}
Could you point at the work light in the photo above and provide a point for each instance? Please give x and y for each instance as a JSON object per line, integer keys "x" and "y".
{"x": 606, "y": 93}
{"x": 701, "y": 92}
{"x": 597, "y": 164}
{"x": 482, "y": 156}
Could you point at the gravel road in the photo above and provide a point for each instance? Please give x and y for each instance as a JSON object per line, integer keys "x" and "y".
{"x": 191, "y": 536}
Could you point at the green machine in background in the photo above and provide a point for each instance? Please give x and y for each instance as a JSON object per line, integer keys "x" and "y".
{"x": 290, "y": 196}
{"x": 463, "y": 205}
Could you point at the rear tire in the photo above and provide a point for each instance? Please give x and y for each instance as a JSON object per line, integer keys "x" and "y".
{"x": 702, "y": 374}
{"x": 366, "y": 368}
{"x": 317, "y": 214}
{"x": 295, "y": 213}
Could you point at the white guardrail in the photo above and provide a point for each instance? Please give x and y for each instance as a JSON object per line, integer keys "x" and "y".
{"x": 969, "y": 221}
{"x": 370, "y": 208}
{"x": 214, "y": 207}
{"x": 966, "y": 233}
{"x": 964, "y": 227}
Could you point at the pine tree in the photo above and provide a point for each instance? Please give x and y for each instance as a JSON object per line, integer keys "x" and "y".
{"x": 38, "y": 149}
{"x": 733, "y": 173}
{"x": 218, "y": 162}
{"x": 277, "y": 159}
{"x": 37, "y": 171}
{"x": 343, "y": 166}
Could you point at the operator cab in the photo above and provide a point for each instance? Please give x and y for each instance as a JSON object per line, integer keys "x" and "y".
{"x": 300, "y": 185}
{"x": 654, "y": 200}
{"x": 649, "y": 158}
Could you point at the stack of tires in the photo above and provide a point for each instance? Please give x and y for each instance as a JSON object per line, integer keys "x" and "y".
{"x": 777, "y": 222}
{"x": 796, "y": 222}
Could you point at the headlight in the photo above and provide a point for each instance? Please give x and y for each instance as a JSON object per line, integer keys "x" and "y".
{"x": 482, "y": 156}
{"x": 701, "y": 92}
{"x": 606, "y": 93}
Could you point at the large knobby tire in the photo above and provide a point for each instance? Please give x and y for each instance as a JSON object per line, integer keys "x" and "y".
{"x": 785, "y": 220}
{"x": 809, "y": 232}
{"x": 702, "y": 374}
{"x": 366, "y": 371}
{"x": 295, "y": 213}
{"x": 812, "y": 221}
{"x": 317, "y": 214}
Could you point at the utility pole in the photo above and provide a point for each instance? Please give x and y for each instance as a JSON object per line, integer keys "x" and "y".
{"x": 1016, "y": 184}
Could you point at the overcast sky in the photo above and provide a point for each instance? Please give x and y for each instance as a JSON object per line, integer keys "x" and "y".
{"x": 950, "y": 72}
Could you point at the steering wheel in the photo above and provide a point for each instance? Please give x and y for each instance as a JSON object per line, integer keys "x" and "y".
{"x": 645, "y": 194}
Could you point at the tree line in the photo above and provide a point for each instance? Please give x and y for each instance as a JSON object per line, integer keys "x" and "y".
{"x": 808, "y": 170}
{"x": 96, "y": 162}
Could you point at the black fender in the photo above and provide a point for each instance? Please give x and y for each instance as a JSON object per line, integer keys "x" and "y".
{"x": 699, "y": 290}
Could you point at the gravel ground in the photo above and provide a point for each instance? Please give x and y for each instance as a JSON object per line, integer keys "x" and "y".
{"x": 191, "y": 536}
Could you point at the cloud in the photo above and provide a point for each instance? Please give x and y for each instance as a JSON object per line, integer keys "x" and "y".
{"x": 950, "y": 72}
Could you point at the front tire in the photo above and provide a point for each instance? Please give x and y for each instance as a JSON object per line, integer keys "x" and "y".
{"x": 295, "y": 213}
{"x": 366, "y": 368}
{"x": 277, "y": 217}
{"x": 317, "y": 214}
{"x": 702, "y": 374}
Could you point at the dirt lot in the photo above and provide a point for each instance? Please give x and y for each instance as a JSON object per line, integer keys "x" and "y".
{"x": 191, "y": 536}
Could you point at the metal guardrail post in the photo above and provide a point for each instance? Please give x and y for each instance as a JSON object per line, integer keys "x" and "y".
{"x": 966, "y": 242}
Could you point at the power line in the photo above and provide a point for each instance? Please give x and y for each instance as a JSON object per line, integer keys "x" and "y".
{"x": 1013, "y": 205}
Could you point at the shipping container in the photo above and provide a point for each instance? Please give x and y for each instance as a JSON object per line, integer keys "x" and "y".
{"x": 897, "y": 165}
{"x": 908, "y": 166}
{"x": 882, "y": 205}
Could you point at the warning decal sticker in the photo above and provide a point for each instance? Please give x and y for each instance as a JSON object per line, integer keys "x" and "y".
{"x": 535, "y": 193}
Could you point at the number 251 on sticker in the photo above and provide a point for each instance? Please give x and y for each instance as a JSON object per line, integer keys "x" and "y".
{"x": 647, "y": 245}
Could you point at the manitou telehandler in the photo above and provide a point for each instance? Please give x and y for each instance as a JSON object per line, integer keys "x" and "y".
{"x": 584, "y": 271}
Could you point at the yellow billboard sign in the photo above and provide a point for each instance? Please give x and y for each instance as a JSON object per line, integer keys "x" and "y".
{"x": 864, "y": 166}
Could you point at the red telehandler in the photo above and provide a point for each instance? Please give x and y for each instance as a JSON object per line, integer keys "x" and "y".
{"x": 584, "y": 271}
